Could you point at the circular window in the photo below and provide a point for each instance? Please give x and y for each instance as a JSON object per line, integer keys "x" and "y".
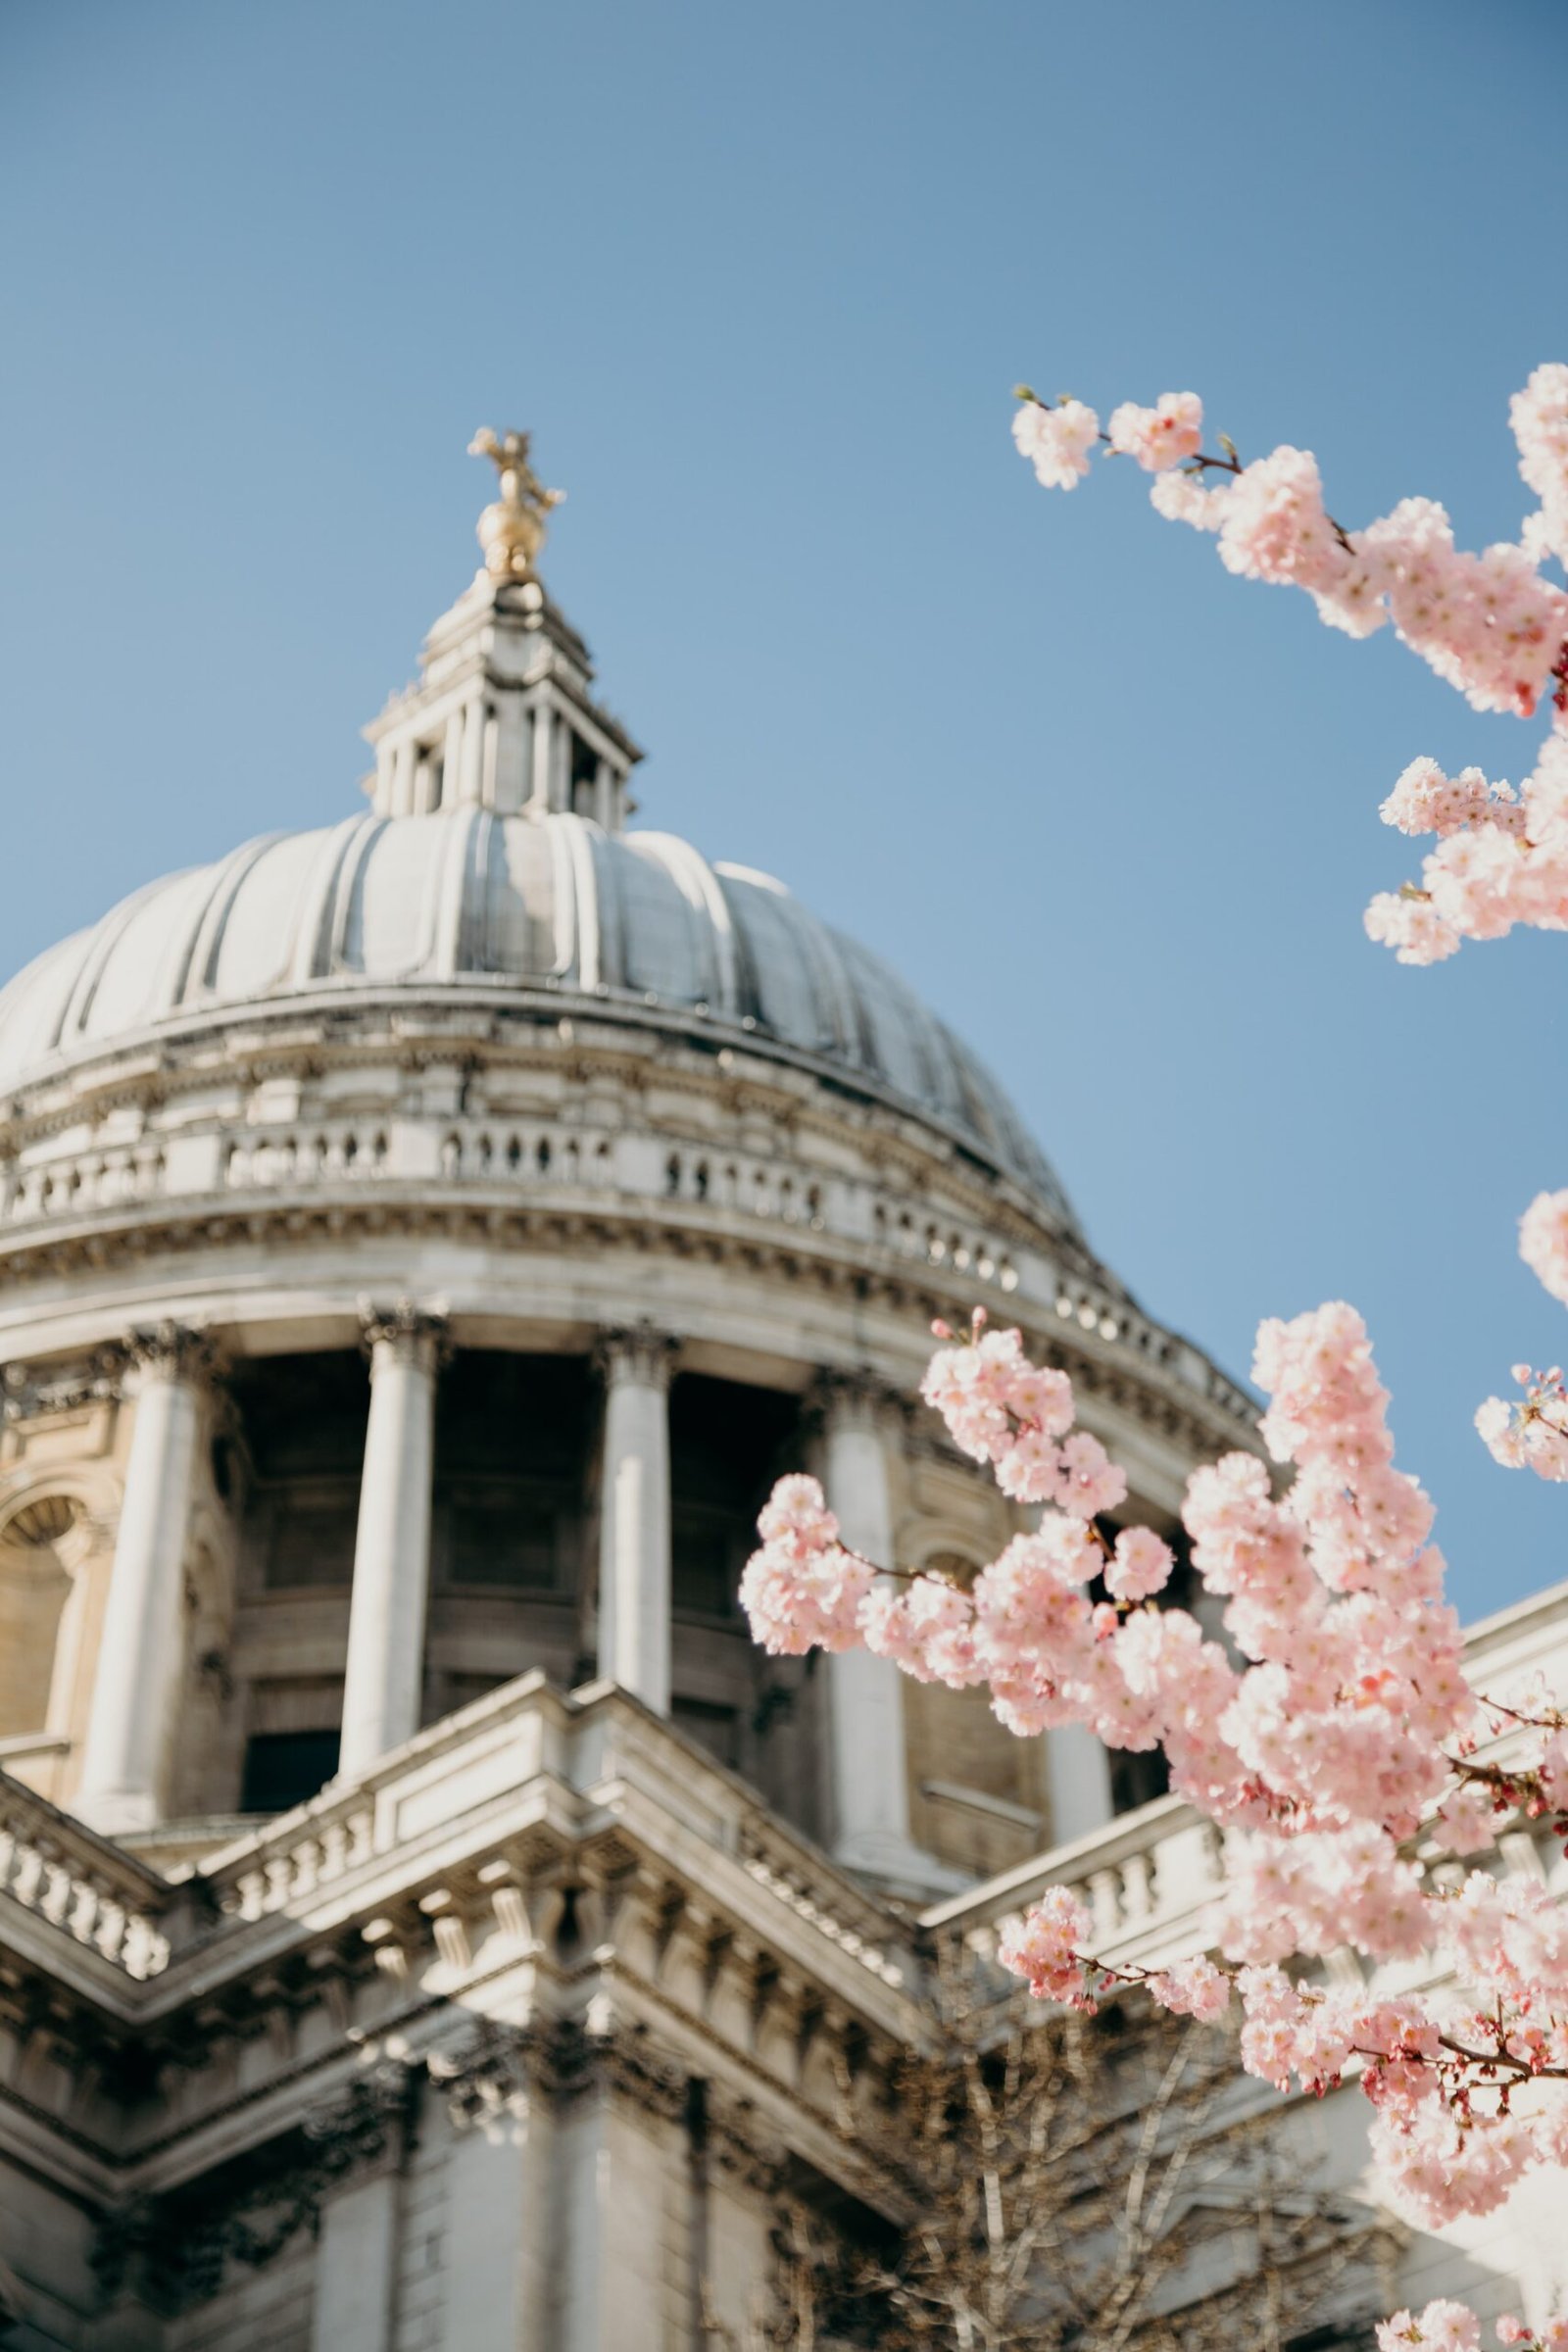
{"x": 43, "y": 1522}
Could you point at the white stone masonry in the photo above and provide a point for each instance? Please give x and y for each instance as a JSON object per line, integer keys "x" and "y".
{"x": 141, "y": 1652}
{"x": 385, "y": 1669}
{"x": 634, "y": 1556}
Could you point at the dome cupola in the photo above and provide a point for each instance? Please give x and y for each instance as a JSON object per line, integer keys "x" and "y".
{"x": 426, "y": 1235}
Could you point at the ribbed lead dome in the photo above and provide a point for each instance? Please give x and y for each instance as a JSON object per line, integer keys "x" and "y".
{"x": 468, "y": 897}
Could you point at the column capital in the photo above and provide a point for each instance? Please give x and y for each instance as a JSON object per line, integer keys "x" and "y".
{"x": 854, "y": 1397}
{"x": 639, "y": 1353}
{"x": 171, "y": 1351}
{"x": 406, "y": 1334}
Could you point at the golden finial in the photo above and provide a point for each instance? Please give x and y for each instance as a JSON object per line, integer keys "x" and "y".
{"x": 513, "y": 531}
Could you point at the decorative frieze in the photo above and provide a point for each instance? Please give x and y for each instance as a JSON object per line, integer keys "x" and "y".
{"x": 27, "y": 1393}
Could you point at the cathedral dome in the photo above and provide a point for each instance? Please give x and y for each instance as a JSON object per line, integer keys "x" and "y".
{"x": 544, "y": 904}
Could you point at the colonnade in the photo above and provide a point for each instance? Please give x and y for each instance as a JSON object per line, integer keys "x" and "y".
{"x": 139, "y": 1678}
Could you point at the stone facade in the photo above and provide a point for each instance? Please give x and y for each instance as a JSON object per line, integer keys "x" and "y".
{"x": 425, "y": 1920}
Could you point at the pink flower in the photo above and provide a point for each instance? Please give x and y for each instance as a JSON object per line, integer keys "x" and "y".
{"x": 1142, "y": 1564}
{"x": 1193, "y": 1988}
{"x": 796, "y": 1517}
{"x": 1411, "y": 926}
{"x": 1275, "y": 527}
{"x": 1443, "y": 2326}
{"x": 929, "y": 1631}
{"x": 1538, "y": 416}
{"x": 1056, "y": 441}
{"x": 1466, "y": 1822}
{"x": 1091, "y": 1482}
{"x": 1531, "y": 1434}
{"x": 1183, "y": 498}
{"x": 1044, "y": 1948}
{"x": 1426, "y": 800}
{"x": 1543, "y": 1241}
{"x": 1161, "y": 436}
{"x": 796, "y": 1606}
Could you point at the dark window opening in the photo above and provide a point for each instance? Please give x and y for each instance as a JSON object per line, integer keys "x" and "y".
{"x": 283, "y": 1769}
{"x": 584, "y": 776}
{"x": 727, "y": 1444}
{"x": 512, "y": 1458}
{"x": 303, "y": 1420}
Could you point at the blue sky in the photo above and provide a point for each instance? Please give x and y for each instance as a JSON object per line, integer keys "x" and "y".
{"x": 760, "y": 280}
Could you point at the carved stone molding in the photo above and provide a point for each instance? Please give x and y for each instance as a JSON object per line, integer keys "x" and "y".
{"x": 174, "y": 2248}
{"x": 639, "y": 1353}
{"x": 498, "y": 2068}
{"x": 26, "y": 1394}
{"x": 492, "y": 2074}
{"x": 171, "y": 1352}
{"x": 406, "y": 1334}
{"x": 739, "y": 2145}
{"x": 856, "y": 1396}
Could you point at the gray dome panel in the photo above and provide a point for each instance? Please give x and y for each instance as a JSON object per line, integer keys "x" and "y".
{"x": 467, "y": 895}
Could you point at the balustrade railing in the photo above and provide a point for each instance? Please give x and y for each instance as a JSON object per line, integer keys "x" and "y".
{"x": 53, "y": 1867}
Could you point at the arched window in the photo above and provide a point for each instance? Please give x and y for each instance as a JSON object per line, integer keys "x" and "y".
{"x": 34, "y": 1586}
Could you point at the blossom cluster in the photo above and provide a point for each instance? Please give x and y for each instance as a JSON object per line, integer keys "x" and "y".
{"x": 1502, "y": 857}
{"x": 1538, "y": 416}
{"x": 1487, "y": 623}
{"x": 1332, "y": 1729}
{"x": 1447, "y": 2326}
{"x": 1531, "y": 1431}
{"x": 1346, "y": 1721}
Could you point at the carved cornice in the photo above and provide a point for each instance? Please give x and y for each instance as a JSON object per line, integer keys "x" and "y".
{"x": 862, "y": 1272}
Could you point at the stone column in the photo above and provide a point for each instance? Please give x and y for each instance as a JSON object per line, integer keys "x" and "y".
{"x": 634, "y": 1514}
{"x": 539, "y": 772}
{"x": 1078, "y": 1769}
{"x": 866, "y": 1699}
{"x": 385, "y": 1670}
{"x": 140, "y": 1662}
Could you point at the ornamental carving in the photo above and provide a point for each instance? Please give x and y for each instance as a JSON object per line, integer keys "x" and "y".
{"x": 171, "y": 1352}
{"x": 175, "y": 2248}
{"x": 854, "y": 1397}
{"x": 639, "y": 1353}
{"x": 26, "y": 1394}
{"x": 406, "y": 1334}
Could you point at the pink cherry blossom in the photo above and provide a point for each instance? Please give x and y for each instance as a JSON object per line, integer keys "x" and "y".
{"x": 1161, "y": 436}
{"x": 1543, "y": 1241}
{"x": 1538, "y": 416}
{"x": 1057, "y": 441}
{"x": 1530, "y": 1433}
{"x": 1140, "y": 1565}
{"x": 1192, "y": 1989}
{"x": 1275, "y": 527}
{"x": 1443, "y": 2326}
{"x": 1046, "y": 1947}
